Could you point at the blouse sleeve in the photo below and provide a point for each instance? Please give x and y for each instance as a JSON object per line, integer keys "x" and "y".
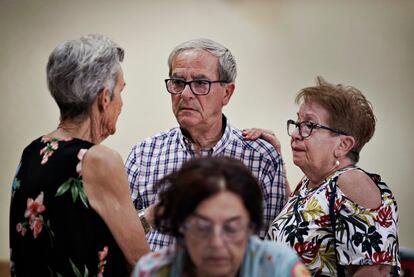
{"x": 269, "y": 258}
{"x": 367, "y": 236}
{"x": 154, "y": 264}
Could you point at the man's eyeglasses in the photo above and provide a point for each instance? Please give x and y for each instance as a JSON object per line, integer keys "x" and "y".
{"x": 198, "y": 87}
{"x": 203, "y": 229}
{"x": 306, "y": 128}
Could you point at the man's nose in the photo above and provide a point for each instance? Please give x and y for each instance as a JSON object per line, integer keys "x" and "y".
{"x": 187, "y": 92}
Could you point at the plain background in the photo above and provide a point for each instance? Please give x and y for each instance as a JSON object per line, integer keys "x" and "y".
{"x": 280, "y": 47}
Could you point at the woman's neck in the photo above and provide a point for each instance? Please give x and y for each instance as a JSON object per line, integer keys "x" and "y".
{"x": 76, "y": 129}
{"x": 316, "y": 180}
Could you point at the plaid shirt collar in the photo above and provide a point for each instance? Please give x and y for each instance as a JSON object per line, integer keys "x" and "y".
{"x": 187, "y": 144}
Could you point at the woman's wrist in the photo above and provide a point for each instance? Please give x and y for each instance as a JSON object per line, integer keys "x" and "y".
{"x": 145, "y": 224}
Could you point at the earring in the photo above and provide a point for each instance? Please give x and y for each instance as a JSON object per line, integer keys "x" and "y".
{"x": 337, "y": 163}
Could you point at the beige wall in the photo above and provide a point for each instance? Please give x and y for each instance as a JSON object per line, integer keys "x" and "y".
{"x": 280, "y": 46}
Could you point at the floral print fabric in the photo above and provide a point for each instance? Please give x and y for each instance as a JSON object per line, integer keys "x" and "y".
{"x": 53, "y": 230}
{"x": 362, "y": 236}
{"x": 33, "y": 218}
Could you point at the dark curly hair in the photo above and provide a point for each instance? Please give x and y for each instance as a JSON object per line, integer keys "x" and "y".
{"x": 199, "y": 179}
{"x": 349, "y": 111}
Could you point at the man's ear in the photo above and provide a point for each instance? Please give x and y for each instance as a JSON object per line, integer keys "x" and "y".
{"x": 345, "y": 145}
{"x": 104, "y": 99}
{"x": 228, "y": 93}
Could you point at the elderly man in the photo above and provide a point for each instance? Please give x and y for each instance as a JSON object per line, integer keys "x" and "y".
{"x": 202, "y": 74}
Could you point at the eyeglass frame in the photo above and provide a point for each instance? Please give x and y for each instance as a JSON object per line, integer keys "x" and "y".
{"x": 212, "y": 232}
{"x": 312, "y": 127}
{"x": 189, "y": 84}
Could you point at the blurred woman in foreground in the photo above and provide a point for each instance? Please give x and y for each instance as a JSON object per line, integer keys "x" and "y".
{"x": 213, "y": 206}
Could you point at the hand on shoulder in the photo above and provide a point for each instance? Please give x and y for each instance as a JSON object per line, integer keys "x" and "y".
{"x": 267, "y": 135}
{"x": 360, "y": 188}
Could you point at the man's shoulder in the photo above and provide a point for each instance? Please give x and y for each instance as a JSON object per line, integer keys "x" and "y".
{"x": 156, "y": 144}
{"x": 160, "y": 137}
{"x": 259, "y": 146}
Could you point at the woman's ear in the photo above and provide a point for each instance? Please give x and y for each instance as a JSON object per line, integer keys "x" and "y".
{"x": 104, "y": 99}
{"x": 345, "y": 145}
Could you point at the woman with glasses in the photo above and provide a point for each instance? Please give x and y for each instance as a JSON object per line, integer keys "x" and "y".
{"x": 340, "y": 219}
{"x": 213, "y": 206}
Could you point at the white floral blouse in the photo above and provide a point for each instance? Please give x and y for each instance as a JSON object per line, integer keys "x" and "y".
{"x": 362, "y": 236}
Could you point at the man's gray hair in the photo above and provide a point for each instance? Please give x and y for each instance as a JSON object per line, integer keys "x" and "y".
{"x": 79, "y": 69}
{"x": 226, "y": 70}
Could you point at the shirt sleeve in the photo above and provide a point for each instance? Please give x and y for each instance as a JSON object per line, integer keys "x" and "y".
{"x": 157, "y": 264}
{"x": 274, "y": 190}
{"x": 132, "y": 170}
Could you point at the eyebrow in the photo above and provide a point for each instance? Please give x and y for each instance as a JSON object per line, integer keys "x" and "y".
{"x": 234, "y": 218}
{"x": 199, "y": 76}
{"x": 193, "y": 77}
{"x": 307, "y": 117}
{"x": 175, "y": 75}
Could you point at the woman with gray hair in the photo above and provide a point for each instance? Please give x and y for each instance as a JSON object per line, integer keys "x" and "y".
{"x": 71, "y": 213}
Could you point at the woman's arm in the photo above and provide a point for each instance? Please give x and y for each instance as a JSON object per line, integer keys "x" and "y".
{"x": 368, "y": 270}
{"x": 106, "y": 187}
{"x": 359, "y": 187}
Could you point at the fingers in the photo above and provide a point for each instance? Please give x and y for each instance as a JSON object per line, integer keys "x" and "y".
{"x": 251, "y": 133}
{"x": 272, "y": 139}
{"x": 267, "y": 135}
{"x": 255, "y": 133}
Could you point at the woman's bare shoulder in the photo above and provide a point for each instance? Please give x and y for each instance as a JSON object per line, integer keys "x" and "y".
{"x": 103, "y": 155}
{"x": 360, "y": 188}
{"x": 103, "y": 172}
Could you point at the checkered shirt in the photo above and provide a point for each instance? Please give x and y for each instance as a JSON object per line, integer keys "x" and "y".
{"x": 165, "y": 152}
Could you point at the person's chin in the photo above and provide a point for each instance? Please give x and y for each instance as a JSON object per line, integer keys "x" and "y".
{"x": 187, "y": 121}
{"x": 218, "y": 267}
{"x": 110, "y": 132}
{"x": 297, "y": 160}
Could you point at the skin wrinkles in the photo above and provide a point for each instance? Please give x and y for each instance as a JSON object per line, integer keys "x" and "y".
{"x": 102, "y": 119}
{"x": 114, "y": 107}
{"x": 315, "y": 154}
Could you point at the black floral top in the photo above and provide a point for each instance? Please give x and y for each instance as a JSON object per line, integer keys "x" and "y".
{"x": 362, "y": 236}
{"x": 53, "y": 230}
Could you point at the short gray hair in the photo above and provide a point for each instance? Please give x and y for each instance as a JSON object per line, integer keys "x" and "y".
{"x": 226, "y": 70}
{"x": 79, "y": 69}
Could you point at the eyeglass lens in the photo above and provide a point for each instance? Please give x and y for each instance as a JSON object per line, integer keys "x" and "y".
{"x": 204, "y": 229}
{"x": 177, "y": 86}
{"x": 305, "y": 128}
